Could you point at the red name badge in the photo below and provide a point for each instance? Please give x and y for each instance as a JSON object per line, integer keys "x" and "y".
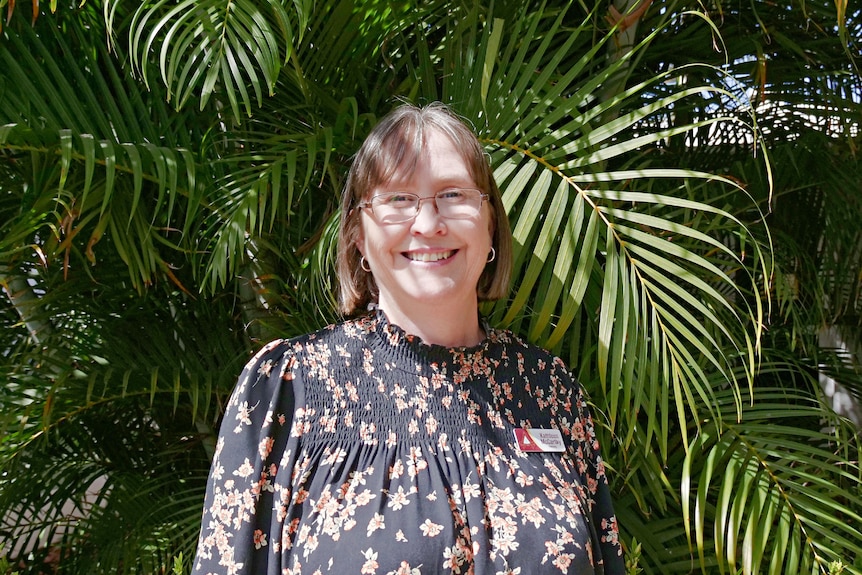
{"x": 539, "y": 440}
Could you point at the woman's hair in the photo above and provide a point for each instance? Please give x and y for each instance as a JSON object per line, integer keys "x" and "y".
{"x": 393, "y": 147}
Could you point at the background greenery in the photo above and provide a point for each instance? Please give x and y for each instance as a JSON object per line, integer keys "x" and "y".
{"x": 683, "y": 184}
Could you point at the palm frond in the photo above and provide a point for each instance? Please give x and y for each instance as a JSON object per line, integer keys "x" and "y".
{"x": 216, "y": 45}
{"x": 101, "y": 144}
{"x": 773, "y": 472}
{"x": 129, "y": 426}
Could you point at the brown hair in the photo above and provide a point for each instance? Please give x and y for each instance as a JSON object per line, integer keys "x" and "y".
{"x": 394, "y": 146}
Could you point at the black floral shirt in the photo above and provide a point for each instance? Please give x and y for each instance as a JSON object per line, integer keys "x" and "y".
{"x": 360, "y": 449}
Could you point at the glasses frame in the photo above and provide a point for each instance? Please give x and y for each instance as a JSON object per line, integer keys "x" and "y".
{"x": 369, "y": 204}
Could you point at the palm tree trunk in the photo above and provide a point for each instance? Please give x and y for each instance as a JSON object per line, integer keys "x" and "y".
{"x": 626, "y": 15}
{"x": 24, "y": 300}
{"x": 841, "y": 400}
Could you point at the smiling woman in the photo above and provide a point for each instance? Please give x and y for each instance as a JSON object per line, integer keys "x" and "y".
{"x": 415, "y": 436}
{"x": 424, "y": 152}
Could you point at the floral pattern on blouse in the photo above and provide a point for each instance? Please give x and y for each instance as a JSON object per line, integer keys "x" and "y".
{"x": 360, "y": 449}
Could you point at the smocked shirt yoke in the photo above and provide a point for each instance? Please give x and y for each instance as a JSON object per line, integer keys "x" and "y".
{"x": 361, "y": 449}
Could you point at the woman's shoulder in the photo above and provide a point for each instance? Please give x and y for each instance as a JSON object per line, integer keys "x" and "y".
{"x": 335, "y": 334}
{"x": 281, "y": 360}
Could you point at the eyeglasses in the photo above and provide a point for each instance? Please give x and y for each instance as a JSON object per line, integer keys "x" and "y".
{"x": 451, "y": 203}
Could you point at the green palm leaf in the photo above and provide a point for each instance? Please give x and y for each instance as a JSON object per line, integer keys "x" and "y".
{"x": 216, "y": 45}
{"x": 128, "y": 427}
{"x": 125, "y": 176}
{"x": 773, "y": 474}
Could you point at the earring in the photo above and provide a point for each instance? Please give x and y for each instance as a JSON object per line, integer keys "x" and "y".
{"x": 493, "y": 255}
{"x": 364, "y": 264}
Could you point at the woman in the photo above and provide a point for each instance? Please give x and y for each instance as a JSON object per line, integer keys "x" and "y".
{"x": 414, "y": 438}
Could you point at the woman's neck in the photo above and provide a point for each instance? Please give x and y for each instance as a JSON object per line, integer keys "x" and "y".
{"x": 452, "y": 326}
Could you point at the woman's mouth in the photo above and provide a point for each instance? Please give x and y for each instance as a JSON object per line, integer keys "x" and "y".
{"x": 429, "y": 256}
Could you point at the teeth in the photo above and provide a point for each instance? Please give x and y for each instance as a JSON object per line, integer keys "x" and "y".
{"x": 429, "y": 257}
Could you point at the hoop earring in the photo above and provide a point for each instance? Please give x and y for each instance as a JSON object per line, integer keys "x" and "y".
{"x": 493, "y": 255}
{"x": 364, "y": 264}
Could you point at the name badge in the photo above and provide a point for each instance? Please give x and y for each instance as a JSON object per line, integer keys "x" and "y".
{"x": 539, "y": 440}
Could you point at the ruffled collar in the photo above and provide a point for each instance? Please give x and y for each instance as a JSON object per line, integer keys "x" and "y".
{"x": 413, "y": 353}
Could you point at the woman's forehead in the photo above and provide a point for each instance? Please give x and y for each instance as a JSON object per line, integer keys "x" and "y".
{"x": 435, "y": 155}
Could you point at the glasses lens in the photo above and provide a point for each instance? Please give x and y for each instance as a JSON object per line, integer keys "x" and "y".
{"x": 459, "y": 203}
{"x": 394, "y": 207}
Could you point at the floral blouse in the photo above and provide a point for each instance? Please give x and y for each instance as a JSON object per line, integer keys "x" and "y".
{"x": 361, "y": 449}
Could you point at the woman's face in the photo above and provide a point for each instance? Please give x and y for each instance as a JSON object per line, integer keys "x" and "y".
{"x": 429, "y": 259}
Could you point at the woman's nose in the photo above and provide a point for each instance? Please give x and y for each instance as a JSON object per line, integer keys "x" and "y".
{"x": 428, "y": 219}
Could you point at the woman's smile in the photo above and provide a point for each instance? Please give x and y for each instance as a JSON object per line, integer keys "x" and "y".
{"x": 429, "y": 257}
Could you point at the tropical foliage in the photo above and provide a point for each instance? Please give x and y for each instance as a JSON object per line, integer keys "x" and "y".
{"x": 682, "y": 183}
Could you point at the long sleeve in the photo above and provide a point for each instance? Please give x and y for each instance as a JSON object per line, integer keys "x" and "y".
{"x": 239, "y": 504}
{"x": 603, "y": 518}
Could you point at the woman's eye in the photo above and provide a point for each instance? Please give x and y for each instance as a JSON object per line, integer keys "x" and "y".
{"x": 452, "y": 195}
{"x": 396, "y": 199}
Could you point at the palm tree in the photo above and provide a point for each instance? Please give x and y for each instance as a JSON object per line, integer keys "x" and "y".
{"x": 150, "y": 238}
